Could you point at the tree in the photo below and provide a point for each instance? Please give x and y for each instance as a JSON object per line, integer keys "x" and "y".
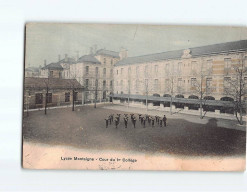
{"x": 73, "y": 86}
{"x": 96, "y": 89}
{"x": 170, "y": 84}
{"x": 235, "y": 86}
{"x": 47, "y": 84}
{"x": 199, "y": 83}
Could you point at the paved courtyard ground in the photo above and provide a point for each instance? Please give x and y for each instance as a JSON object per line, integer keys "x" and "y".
{"x": 85, "y": 128}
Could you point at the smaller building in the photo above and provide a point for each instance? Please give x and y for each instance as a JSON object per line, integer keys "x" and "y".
{"x": 32, "y": 72}
{"x": 52, "y": 70}
{"x": 56, "y": 91}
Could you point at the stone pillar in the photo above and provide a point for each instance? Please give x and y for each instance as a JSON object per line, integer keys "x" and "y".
{"x": 186, "y": 108}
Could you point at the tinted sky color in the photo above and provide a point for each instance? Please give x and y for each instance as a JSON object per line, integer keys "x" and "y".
{"x": 48, "y": 40}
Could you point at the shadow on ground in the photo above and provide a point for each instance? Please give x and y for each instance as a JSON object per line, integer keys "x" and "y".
{"x": 85, "y": 128}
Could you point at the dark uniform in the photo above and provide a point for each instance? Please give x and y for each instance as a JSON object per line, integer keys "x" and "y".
{"x": 142, "y": 118}
{"x": 109, "y": 118}
{"x": 156, "y": 118}
{"x": 134, "y": 122}
{"x": 152, "y": 122}
{"x": 160, "y": 122}
{"x": 126, "y": 121}
{"x": 116, "y": 122}
{"x": 149, "y": 120}
{"x": 164, "y": 120}
{"x": 139, "y": 116}
{"x": 144, "y": 122}
{"x": 106, "y": 122}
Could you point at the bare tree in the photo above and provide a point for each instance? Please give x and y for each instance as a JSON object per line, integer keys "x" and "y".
{"x": 200, "y": 85}
{"x": 237, "y": 87}
{"x": 47, "y": 88}
{"x": 96, "y": 89}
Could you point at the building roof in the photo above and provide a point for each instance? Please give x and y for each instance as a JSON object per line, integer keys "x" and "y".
{"x": 68, "y": 61}
{"x": 53, "y": 66}
{"x": 107, "y": 53}
{"x": 88, "y": 58}
{"x": 194, "y": 52}
{"x": 32, "y": 69}
{"x": 53, "y": 83}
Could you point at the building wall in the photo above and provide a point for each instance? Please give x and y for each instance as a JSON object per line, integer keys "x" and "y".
{"x": 88, "y": 78}
{"x": 132, "y": 78}
{"x": 58, "y": 98}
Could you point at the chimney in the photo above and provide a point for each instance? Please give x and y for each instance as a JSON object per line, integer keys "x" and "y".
{"x": 59, "y": 57}
{"x": 44, "y": 63}
{"x": 123, "y": 53}
{"x": 66, "y": 58}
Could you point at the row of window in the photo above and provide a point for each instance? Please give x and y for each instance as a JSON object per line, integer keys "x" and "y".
{"x": 39, "y": 97}
{"x": 97, "y": 71}
{"x": 87, "y": 83}
{"x": 177, "y": 68}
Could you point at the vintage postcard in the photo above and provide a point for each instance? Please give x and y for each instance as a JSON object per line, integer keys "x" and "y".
{"x": 134, "y": 97}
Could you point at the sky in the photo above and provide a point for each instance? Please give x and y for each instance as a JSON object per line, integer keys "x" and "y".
{"x": 45, "y": 41}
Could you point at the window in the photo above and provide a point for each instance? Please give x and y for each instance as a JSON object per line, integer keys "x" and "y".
{"x": 208, "y": 82}
{"x": 137, "y": 71}
{"x": 146, "y": 70}
{"x": 156, "y": 83}
{"x": 38, "y": 98}
{"x": 96, "y": 83}
{"x": 51, "y": 74}
{"x": 49, "y": 98}
{"x": 111, "y": 84}
{"x": 209, "y": 64}
{"x": 227, "y": 83}
{"x": 104, "y": 94}
{"x": 104, "y": 72}
{"x": 193, "y": 66}
{"x": 87, "y": 83}
{"x": 117, "y": 72}
{"x": 87, "y": 69}
{"x": 167, "y": 69}
{"x": 97, "y": 70}
{"x": 111, "y": 72}
{"x": 179, "y": 82}
{"x": 228, "y": 63}
{"x": 156, "y": 69}
{"x": 121, "y": 71}
{"x": 193, "y": 82}
{"x": 67, "y": 97}
{"x": 245, "y": 61}
{"x": 179, "y": 67}
{"x": 104, "y": 61}
{"x": 137, "y": 84}
{"x": 104, "y": 84}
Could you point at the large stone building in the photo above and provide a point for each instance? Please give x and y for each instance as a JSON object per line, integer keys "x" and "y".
{"x": 95, "y": 73}
{"x": 202, "y": 72}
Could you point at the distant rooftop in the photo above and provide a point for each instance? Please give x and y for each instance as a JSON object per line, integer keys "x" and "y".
{"x": 54, "y": 83}
{"x": 53, "y": 66}
{"x": 69, "y": 60}
{"x": 88, "y": 58}
{"x": 194, "y": 52}
{"x": 107, "y": 53}
{"x": 32, "y": 69}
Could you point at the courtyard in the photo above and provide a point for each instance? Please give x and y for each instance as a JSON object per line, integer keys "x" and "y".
{"x": 85, "y": 129}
